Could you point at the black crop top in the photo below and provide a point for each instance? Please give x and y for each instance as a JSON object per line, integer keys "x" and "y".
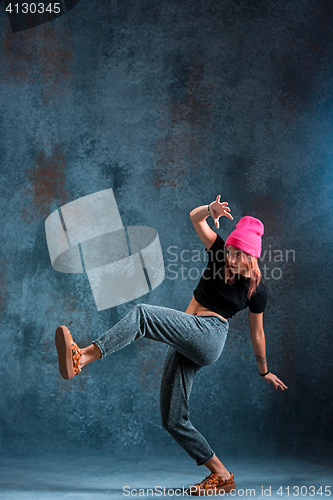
{"x": 220, "y": 297}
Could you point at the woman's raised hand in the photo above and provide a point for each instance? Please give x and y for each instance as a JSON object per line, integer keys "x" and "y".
{"x": 218, "y": 209}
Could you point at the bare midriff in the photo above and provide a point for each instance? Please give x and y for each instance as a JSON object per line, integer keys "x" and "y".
{"x": 197, "y": 309}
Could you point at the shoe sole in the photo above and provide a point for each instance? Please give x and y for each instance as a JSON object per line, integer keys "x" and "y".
{"x": 209, "y": 491}
{"x": 63, "y": 345}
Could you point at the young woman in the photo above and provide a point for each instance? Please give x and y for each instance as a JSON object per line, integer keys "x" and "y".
{"x": 196, "y": 337}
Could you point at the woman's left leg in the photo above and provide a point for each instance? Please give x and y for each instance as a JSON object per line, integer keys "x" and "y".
{"x": 176, "y": 386}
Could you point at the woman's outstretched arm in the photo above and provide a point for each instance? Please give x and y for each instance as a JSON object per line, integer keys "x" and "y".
{"x": 257, "y": 336}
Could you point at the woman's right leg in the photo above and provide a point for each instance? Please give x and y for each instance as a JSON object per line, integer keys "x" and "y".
{"x": 89, "y": 354}
{"x": 199, "y": 338}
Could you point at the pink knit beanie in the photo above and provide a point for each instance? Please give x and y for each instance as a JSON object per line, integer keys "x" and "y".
{"x": 247, "y": 236}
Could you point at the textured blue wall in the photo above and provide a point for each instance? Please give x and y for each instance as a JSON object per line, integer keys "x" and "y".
{"x": 170, "y": 103}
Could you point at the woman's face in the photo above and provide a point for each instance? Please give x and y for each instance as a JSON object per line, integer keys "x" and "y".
{"x": 237, "y": 261}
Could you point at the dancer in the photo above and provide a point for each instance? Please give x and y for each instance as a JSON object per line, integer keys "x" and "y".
{"x": 195, "y": 338}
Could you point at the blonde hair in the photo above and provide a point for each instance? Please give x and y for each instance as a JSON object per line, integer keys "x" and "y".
{"x": 255, "y": 273}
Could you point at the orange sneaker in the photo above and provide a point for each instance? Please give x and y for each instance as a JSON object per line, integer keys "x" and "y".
{"x": 69, "y": 353}
{"x": 212, "y": 484}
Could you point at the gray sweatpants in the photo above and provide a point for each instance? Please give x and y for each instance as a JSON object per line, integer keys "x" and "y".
{"x": 193, "y": 342}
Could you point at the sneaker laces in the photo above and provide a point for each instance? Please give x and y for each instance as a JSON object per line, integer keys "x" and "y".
{"x": 208, "y": 479}
{"x": 76, "y": 355}
{"x": 212, "y": 479}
